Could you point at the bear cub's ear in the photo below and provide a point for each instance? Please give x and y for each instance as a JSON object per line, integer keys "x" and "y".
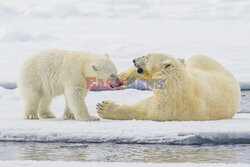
{"x": 182, "y": 61}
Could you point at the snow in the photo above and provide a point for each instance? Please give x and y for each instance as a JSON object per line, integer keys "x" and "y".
{"x": 126, "y": 29}
{"x": 109, "y": 164}
{"x": 14, "y": 128}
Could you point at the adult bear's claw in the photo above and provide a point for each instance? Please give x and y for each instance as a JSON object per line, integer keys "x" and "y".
{"x": 104, "y": 108}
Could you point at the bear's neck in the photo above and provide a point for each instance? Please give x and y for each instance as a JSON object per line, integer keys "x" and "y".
{"x": 173, "y": 87}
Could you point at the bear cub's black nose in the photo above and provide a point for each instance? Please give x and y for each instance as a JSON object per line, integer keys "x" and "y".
{"x": 134, "y": 61}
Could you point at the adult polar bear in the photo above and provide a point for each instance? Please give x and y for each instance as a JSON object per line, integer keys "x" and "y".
{"x": 54, "y": 72}
{"x": 200, "y": 89}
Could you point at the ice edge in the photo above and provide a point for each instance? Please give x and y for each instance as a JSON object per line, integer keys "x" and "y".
{"x": 12, "y": 85}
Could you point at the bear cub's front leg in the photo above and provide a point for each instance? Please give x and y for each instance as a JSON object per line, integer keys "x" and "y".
{"x": 76, "y": 106}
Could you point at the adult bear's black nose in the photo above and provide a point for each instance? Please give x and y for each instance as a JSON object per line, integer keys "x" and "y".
{"x": 134, "y": 61}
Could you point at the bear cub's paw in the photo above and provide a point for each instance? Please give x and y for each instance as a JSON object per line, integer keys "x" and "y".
{"x": 47, "y": 115}
{"x": 68, "y": 115}
{"x": 94, "y": 118}
{"x": 89, "y": 118}
{"x": 31, "y": 116}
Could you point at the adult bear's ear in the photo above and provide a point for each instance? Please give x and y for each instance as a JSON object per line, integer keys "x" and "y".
{"x": 167, "y": 64}
{"x": 94, "y": 68}
{"x": 182, "y": 61}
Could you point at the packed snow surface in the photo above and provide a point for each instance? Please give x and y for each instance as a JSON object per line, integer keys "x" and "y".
{"x": 124, "y": 29}
{"x": 14, "y": 128}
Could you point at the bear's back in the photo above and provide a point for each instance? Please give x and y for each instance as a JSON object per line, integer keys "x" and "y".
{"x": 204, "y": 63}
{"x": 215, "y": 87}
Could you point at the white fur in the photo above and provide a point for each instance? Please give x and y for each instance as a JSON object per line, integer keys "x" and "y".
{"x": 200, "y": 89}
{"x": 54, "y": 72}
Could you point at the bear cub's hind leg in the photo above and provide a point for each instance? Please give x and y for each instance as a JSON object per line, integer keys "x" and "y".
{"x": 44, "y": 110}
{"x": 68, "y": 115}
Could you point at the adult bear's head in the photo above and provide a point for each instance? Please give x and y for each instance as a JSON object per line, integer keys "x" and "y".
{"x": 157, "y": 64}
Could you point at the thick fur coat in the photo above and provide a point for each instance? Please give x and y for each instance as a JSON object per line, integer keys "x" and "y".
{"x": 198, "y": 89}
{"x": 53, "y": 72}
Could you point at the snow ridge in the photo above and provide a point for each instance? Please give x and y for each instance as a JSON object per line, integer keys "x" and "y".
{"x": 171, "y": 139}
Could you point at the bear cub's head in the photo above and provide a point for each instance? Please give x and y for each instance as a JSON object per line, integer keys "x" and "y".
{"x": 156, "y": 64}
{"x": 104, "y": 69}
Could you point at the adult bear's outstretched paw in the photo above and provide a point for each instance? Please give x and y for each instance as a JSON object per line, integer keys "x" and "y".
{"x": 106, "y": 109}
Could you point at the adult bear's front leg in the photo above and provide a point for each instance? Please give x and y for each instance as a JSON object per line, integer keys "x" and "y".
{"x": 112, "y": 110}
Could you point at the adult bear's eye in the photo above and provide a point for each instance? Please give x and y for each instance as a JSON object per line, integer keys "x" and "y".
{"x": 168, "y": 65}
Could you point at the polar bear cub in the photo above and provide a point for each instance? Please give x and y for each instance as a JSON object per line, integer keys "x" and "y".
{"x": 53, "y": 72}
{"x": 198, "y": 89}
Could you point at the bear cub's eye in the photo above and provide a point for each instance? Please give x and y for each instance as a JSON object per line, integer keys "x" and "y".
{"x": 94, "y": 68}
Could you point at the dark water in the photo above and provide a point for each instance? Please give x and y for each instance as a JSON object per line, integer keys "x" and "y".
{"x": 125, "y": 152}
{"x": 245, "y": 102}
